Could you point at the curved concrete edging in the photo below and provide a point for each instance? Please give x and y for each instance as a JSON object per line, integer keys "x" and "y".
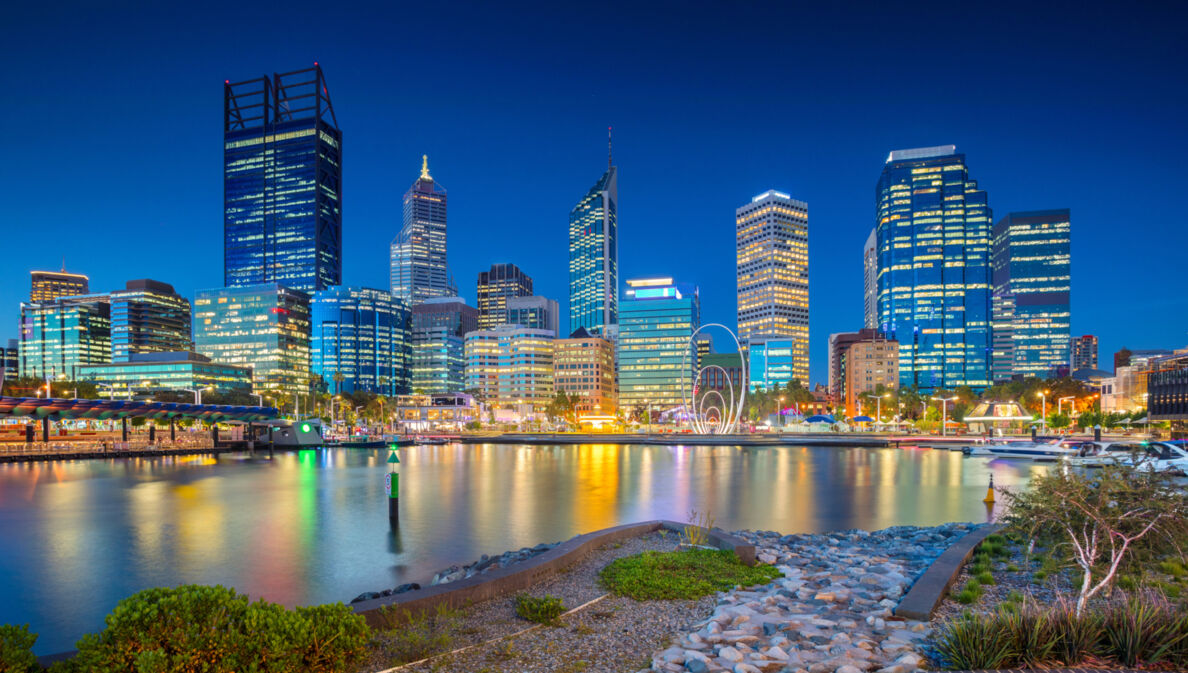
{"x": 523, "y": 575}
{"x": 923, "y": 597}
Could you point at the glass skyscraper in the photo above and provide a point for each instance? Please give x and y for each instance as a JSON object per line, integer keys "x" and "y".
{"x": 148, "y": 316}
{"x": 1032, "y": 287}
{"x": 438, "y": 356}
{"x": 61, "y": 335}
{"x": 49, "y": 285}
{"x": 265, "y": 327}
{"x": 594, "y": 256}
{"x": 363, "y": 335}
{"x": 493, "y": 290}
{"x": 655, "y": 357}
{"x": 418, "y": 269}
{"x": 282, "y": 183}
{"x": 933, "y": 237}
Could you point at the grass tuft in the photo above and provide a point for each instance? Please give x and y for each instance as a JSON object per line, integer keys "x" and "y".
{"x": 542, "y": 610}
{"x": 685, "y": 574}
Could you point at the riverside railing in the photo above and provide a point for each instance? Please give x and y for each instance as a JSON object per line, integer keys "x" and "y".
{"x": 107, "y": 447}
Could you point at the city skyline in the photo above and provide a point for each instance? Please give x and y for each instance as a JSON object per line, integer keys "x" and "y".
{"x": 664, "y": 230}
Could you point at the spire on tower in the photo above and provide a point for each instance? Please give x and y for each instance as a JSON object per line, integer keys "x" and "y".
{"x": 425, "y": 168}
{"x": 609, "y": 153}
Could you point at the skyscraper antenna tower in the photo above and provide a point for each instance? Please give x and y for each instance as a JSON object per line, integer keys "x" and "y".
{"x": 609, "y": 153}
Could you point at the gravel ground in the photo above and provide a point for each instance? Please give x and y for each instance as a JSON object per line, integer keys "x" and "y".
{"x": 614, "y": 634}
{"x": 1046, "y": 592}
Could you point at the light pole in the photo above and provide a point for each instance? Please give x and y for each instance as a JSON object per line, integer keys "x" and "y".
{"x": 197, "y": 392}
{"x": 1060, "y": 404}
{"x": 780, "y": 411}
{"x": 879, "y": 406}
{"x": 1044, "y": 411}
{"x": 944, "y": 411}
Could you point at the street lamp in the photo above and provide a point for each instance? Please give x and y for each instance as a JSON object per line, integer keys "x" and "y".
{"x": 197, "y": 392}
{"x": 1044, "y": 412}
{"x": 944, "y": 411}
{"x": 1060, "y": 404}
{"x": 879, "y": 406}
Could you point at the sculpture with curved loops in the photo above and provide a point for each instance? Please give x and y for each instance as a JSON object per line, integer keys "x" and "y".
{"x": 727, "y": 415}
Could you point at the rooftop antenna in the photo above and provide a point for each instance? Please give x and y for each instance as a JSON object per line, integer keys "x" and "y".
{"x": 63, "y": 264}
{"x": 609, "y": 153}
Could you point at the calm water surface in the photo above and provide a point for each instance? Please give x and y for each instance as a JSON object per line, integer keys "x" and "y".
{"x": 312, "y": 526}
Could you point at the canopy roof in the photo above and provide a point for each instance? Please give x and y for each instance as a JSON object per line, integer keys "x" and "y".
{"x": 36, "y": 407}
{"x": 997, "y": 412}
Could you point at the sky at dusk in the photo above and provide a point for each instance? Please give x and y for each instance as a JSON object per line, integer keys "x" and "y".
{"x": 112, "y": 156}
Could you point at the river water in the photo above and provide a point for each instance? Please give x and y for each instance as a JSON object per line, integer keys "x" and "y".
{"x": 312, "y": 526}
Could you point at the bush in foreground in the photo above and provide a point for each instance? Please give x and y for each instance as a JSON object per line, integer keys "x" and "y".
{"x": 215, "y": 629}
{"x": 16, "y": 649}
{"x": 543, "y": 610}
{"x": 686, "y": 574}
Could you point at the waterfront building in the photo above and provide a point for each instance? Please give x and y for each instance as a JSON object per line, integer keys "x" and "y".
{"x": 866, "y": 365}
{"x": 1083, "y": 351}
{"x": 839, "y": 343}
{"x": 594, "y": 256}
{"x": 1167, "y": 391}
{"x": 933, "y": 239}
{"x": 50, "y": 285}
{"x": 771, "y": 363}
{"x": 143, "y": 375}
{"x": 148, "y": 316}
{"x": 771, "y": 241}
{"x": 10, "y": 360}
{"x": 870, "y": 282}
{"x": 511, "y": 368}
{"x": 282, "y": 183}
{"x": 419, "y": 413}
{"x": 494, "y": 288}
{"x": 1031, "y": 272}
{"x": 361, "y": 340}
{"x": 418, "y": 254}
{"x": 656, "y": 359}
{"x": 1139, "y": 358}
{"x": 538, "y": 312}
{"x": 61, "y": 335}
{"x": 584, "y": 368}
{"x": 438, "y": 355}
{"x": 265, "y": 327}
{"x": 1126, "y": 390}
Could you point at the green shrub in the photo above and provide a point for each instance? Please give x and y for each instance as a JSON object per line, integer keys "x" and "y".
{"x": 1127, "y": 582}
{"x": 1078, "y": 634}
{"x": 1032, "y": 634}
{"x": 985, "y": 578}
{"x": 974, "y": 642}
{"x": 543, "y": 610}
{"x": 1012, "y": 568}
{"x": 685, "y": 574}
{"x": 1040, "y": 576}
{"x": 1014, "y": 597}
{"x": 996, "y": 539}
{"x": 1173, "y": 568}
{"x": 1139, "y": 628}
{"x": 16, "y": 649}
{"x": 414, "y": 637}
{"x": 967, "y": 596}
{"x": 215, "y": 629}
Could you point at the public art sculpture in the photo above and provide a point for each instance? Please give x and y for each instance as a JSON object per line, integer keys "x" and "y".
{"x": 711, "y": 413}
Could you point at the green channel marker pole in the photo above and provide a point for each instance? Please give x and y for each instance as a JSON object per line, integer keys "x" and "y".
{"x": 393, "y": 486}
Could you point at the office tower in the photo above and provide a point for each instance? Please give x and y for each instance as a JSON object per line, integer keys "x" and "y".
{"x": 771, "y": 362}
{"x": 10, "y": 360}
{"x": 418, "y": 253}
{"x": 771, "y": 240}
{"x": 511, "y": 367}
{"x": 361, "y": 340}
{"x": 933, "y": 240}
{"x": 866, "y": 365}
{"x": 1030, "y": 270}
{"x": 144, "y": 375}
{"x": 282, "y": 183}
{"x": 148, "y": 316}
{"x": 438, "y": 328}
{"x": 494, "y": 287}
{"x": 265, "y": 327}
{"x": 594, "y": 255}
{"x": 60, "y": 335}
{"x": 584, "y": 368}
{"x": 49, "y": 285}
{"x": 870, "y": 282}
{"x": 538, "y": 312}
{"x": 1083, "y": 352}
{"x": 656, "y": 321}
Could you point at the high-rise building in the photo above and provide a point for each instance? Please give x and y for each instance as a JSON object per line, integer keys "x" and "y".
{"x": 265, "y": 327}
{"x": 1030, "y": 311}
{"x": 771, "y": 361}
{"x": 148, "y": 316}
{"x": 656, "y": 360}
{"x": 361, "y": 340}
{"x": 10, "y": 360}
{"x": 61, "y": 335}
{"x": 282, "y": 182}
{"x": 594, "y": 255}
{"x": 147, "y": 374}
{"x": 419, "y": 269}
{"x": 494, "y": 288}
{"x": 1083, "y": 352}
{"x": 933, "y": 239}
{"x": 534, "y": 311}
{"x": 584, "y": 368}
{"x": 870, "y": 282}
{"x": 511, "y": 367}
{"x": 438, "y": 329}
{"x": 50, "y": 285}
{"x": 771, "y": 240}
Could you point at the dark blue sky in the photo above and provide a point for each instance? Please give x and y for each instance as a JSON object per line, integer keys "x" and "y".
{"x": 112, "y": 152}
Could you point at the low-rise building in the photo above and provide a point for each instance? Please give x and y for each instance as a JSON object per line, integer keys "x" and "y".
{"x": 144, "y": 375}
{"x": 420, "y": 413}
{"x": 584, "y": 368}
{"x": 511, "y": 368}
{"x": 866, "y": 366}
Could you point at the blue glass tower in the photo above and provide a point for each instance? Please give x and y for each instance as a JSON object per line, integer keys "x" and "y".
{"x": 1032, "y": 288}
{"x": 933, "y": 249}
{"x": 363, "y": 336}
{"x": 282, "y": 183}
{"x": 655, "y": 357}
{"x": 594, "y": 256}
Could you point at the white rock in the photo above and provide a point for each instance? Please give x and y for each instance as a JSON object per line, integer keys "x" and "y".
{"x": 730, "y": 654}
{"x": 745, "y": 668}
{"x": 774, "y": 652}
{"x": 848, "y": 668}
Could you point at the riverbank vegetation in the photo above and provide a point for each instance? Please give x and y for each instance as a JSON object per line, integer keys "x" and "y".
{"x": 684, "y": 574}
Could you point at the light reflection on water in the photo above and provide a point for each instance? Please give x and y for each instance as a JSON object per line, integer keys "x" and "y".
{"x": 312, "y": 526}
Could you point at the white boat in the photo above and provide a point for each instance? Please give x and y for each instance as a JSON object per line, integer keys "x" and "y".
{"x": 1055, "y": 449}
{"x": 1153, "y": 456}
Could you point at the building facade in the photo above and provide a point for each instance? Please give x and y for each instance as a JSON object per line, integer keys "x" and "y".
{"x": 148, "y": 316}
{"x": 594, "y": 256}
{"x": 870, "y": 282}
{"x": 584, "y": 368}
{"x": 438, "y": 329}
{"x": 770, "y": 363}
{"x": 771, "y": 245}
{"x": 361, "y": 340}
{"x": 10, "y": 360}
{"x": 419, "y": 266}
{"x": 866, "y": 365}
{"x": 721, "y": 371}
{"x": 1083, "y": 352}
{"x": 534, "y": 311}
{"x": 656, "y": 359}
{"x": 50, "y": 285}
{"x": 282, "y": 183}
{"x": 494, "y": 288}
{"x": 265, "y": 327}
{"x": 1167, "y": 391}
{"x": 1031, "y": 309}
{"x": 143, "y": 375}
{"x": 511, "y": 367}
{"x": 933, "y": 237}
{"x": 59, "y": 336}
